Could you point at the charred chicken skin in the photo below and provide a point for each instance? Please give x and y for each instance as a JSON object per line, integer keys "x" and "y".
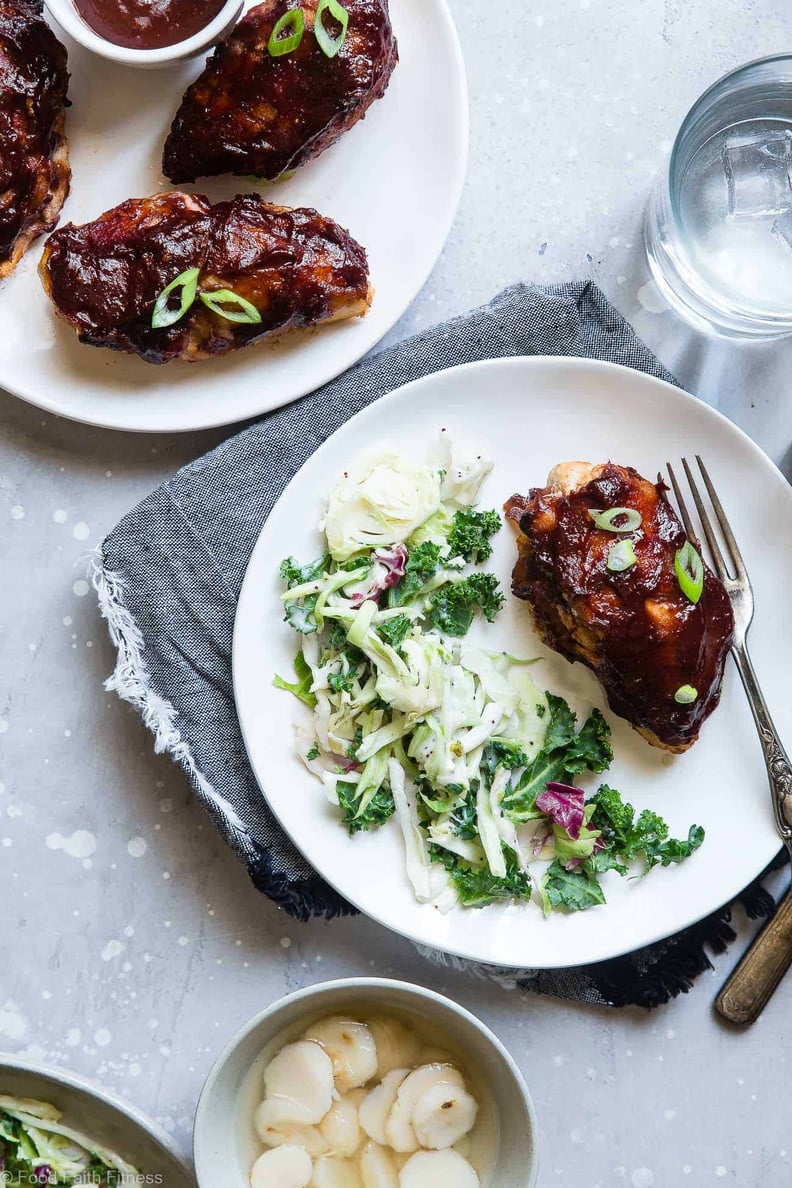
{"x": 250, "y": 113}
{"x": 637, "y": 629}
{"x": 296, "y": 268}
{"x": 34, "y": 159}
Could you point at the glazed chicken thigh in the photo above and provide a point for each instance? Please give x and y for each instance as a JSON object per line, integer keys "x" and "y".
{"x": 292, "y": 268}
{"x": 34, "y": 159}
{"x": 250, "y": 113}
{"x": 658, "y": 654}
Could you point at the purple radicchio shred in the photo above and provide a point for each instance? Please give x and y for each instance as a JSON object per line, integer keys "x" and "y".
{"x": 42, "y": 1173}
{"x": 565, "y": 805}
{"x": 392, "y": 566}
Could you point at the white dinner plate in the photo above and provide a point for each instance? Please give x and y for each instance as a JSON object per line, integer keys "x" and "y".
{"x": 527, "y": 414}
{"x": 393, "y": 181}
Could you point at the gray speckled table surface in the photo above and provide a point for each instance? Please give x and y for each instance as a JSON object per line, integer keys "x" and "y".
{"x": 133, "y": 945}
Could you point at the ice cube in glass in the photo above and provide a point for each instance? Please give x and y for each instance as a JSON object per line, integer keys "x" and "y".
{"x": 759, "y": 176}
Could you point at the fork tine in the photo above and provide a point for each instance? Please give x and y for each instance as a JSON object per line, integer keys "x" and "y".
{"x": 686, "y": 520}
{"x": 725, "y": 526}
{"x": 706, "y": 524}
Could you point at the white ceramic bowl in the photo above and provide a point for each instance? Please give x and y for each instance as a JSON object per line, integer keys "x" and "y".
{"x": 224, "y": 1145}
{"x": 67, "y": 16}
{"x": 111, "y": 1122}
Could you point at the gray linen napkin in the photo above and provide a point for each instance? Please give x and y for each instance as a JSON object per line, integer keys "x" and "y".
{"x": 169, "y": 576}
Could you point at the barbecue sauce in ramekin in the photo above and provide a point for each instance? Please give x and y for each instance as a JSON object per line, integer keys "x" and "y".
{"x": 147, "y": 24}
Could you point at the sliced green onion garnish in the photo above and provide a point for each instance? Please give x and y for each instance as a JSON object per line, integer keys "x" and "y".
{"x": 163, "y": 314}
{"x": 617, "y": 519}
{"x": 621, "y": 556}
{"x": 287, "y": 34}
{"x": 231, "y": 306}
{"x": 327, "y": 43}
{"x": 686, "y": 695}
{"x": 689, "y": 569}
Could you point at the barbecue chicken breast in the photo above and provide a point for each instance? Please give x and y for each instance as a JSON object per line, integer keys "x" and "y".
{"x": 250, "y": 113}
{"x": 647, "y": 642}
{"x": 293, "y": 267}
{"x": 34, "y": 159}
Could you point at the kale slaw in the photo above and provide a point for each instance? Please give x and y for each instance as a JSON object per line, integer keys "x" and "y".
{"x": 410, "y": 719}
{"x": 36, "y": 1147}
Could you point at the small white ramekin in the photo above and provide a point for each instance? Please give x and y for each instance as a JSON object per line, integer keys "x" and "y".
{"x": 218, "y": 1148}
{"x": 67, "y": 16}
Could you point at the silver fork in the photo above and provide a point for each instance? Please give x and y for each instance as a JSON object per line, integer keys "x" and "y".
{"x": 750, "y": 987}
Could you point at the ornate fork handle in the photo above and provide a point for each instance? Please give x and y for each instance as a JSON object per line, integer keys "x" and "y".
{"x": 751, "y": 984}
{"x": 779, "y": 767}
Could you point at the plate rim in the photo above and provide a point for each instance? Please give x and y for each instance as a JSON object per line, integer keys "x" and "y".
{"x": 513, "y": 362}
{"x": 42, "y": 400}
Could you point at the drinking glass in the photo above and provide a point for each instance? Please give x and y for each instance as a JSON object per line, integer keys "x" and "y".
{"x": 718, "y": 227}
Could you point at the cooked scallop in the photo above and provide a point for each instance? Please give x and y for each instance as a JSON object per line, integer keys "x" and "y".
{"x": 341, "y": 1129}
{"x": 275, "y": 1127}
{"x": 399, "y": 1130}
{"x": 335, "y": 1173}
{"x": 378, "y": 1103}
{"x": 378, "y": 1167}
{"x": 302, "y": 1074}
{"x": 288, "y": 1167}
{"x": 397, "y": 1046}
{"x": 438, "y": 1169}
{"x": 435, "y": 1056}
{"x": 351, "y": 1048}
{"x": 443, "y": 1115}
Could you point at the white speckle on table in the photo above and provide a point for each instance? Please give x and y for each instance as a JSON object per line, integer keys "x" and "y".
{"x": 81, "y": 844}
{"x": 137, "y": 847}
{"x": 183, "y": 941}
{"x": 80, "y": 588}
{"x": 3, "y": 725}
{"x": 286, "y": 942}
{"x": 129, "y": 930}
{"x": 651, "y": 298}
{"x": 60, "y": 516}
{"x": 669, "y": 1115}
{"x": 67, "y": 620}
{"x": 13, "y": 1024}
{"x": 721, "y": 1171}
{"x": 166, "y": 806}
{"x": 81, "y": 531}
{"x": 112, "y": 949}
{"x": 17, "y": 512}
{"x": 642, "y": 1177}
{"x": 73, "y": 1037}
{"x": 102, "y": 1037}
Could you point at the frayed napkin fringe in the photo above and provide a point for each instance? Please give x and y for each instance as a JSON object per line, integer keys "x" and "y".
{"x": 507, "y": 979}
{"x": 131, "y": 682}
